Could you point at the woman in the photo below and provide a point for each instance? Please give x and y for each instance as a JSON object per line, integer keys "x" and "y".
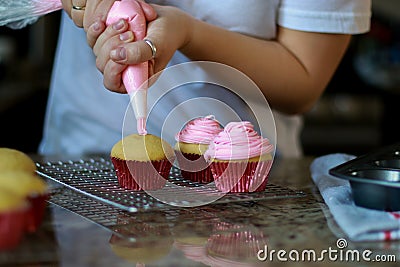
{"x": 289, "y": 48}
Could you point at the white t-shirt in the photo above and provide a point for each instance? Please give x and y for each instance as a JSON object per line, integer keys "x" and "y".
{"x": 84, "y": 117}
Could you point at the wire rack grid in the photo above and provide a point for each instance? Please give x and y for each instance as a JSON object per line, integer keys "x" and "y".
{"x": 95, "y": 178}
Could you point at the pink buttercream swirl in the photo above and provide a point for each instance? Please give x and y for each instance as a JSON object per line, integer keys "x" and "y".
{"x": 238, "y": 140}
{"x": 199, "y": 131}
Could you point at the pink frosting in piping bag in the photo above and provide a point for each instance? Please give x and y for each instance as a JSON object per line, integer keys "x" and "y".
{"x": 199, "y": 131}
{"x": 238, "y": 141}
{"x": 135, "y": 76}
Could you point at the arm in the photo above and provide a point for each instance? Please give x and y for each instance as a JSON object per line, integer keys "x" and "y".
{"x": 292, "y": 71}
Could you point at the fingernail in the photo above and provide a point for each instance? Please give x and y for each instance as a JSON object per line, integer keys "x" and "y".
{"x": 119, "y": 25}
{"x": 126, "y": 36}
{"x": 118, "y": 54}
{"x": 96, "y": 26}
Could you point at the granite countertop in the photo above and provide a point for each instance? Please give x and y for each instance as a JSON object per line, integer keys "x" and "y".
{"x": 229, "y": 234}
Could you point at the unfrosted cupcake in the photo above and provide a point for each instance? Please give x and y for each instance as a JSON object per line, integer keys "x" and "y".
{"x": 240, "y": 158}
{"x": 31, "y": 187}
{"x": 191, "y": 144}
{"x": 12, "y": 219}
{"x": 12, "y": 159}
{"x": 18, "y": 174}
{"x": 142, "y": 162}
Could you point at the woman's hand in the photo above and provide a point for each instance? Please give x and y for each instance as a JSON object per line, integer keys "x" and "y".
{"x": 115, "y": 48}
{"x": 86, "y": 12}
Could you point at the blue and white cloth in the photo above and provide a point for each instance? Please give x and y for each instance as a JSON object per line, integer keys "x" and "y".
{"x": 358, "y": 223}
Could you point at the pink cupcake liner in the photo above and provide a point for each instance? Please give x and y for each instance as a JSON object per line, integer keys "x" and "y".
{"x": 138, "y": 175}
{"x": 238, "y": 177}
{"x": 35, "y": 214}
{"x": 194, "y": 162}
{"x": 12, "y": 229}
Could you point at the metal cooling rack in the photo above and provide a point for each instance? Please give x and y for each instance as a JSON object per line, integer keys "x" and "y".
{"x": 95, "y": 179}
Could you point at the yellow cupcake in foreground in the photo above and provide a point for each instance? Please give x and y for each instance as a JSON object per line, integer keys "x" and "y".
{"x": 18, "y": 177}
{"x": 10, "y": 201}
{"x": 12, "y": 159}
{"x": 22, "y": 183}
{"x": 13, "y": 210}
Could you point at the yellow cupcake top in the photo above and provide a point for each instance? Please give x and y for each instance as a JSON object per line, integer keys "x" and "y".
{"x": 22, "y": 183}
{"x": 263, "y": 157}
{"x": 142, "y": 148}
{"x": 12, "y": 159}
{"x": 10, "y": 201}
{"x": 197, "y": 149}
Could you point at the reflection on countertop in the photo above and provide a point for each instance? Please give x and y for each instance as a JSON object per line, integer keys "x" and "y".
{"x": 229, "y": 234}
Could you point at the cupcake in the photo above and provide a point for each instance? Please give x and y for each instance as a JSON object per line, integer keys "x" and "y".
{"x": 12, "y": 159}
{"x": 18, "y": 174}
{"x": 240, "y": 158}
{"x": 30, "y": 187}
{"x": 12, "y": 219}
{"x": 191, "y": 144}
{"x": 142, "y": 162}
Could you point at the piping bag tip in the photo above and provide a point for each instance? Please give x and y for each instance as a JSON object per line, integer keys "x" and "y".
{"x": 141, "y": 126}
{"x": 134, "y": 76}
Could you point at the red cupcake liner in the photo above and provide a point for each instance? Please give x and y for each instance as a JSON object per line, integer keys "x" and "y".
{"x": 12, "y": 228}
{"x": 138, "y": 175}
{"x": 35, "y": 213}
{"x": 201, "y": 170}
{"x": 238, "y": 177}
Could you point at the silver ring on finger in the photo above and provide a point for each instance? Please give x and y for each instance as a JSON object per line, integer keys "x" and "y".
{"x": 152, "y": 47}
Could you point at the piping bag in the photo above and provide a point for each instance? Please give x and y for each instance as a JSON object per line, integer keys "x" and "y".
{"x": 135, "y": 77}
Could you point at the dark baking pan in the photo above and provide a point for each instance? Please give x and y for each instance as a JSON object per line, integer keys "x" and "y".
{"x": 374, "y": 178}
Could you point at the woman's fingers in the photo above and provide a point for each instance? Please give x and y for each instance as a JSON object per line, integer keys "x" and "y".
{"x": 113, "y": 36}
{"x": 112, "y": 79}
{"x": 85, "y": 12}
{"x": 132, "y": 53}
{"x": 96, "y": 10}
{"x": 148, "y": 11}
{"x": 78, "y": 11}
{"x": 94, "y": 31}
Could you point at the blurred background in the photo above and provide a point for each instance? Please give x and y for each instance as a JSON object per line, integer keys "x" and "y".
{"x": 357, "y": 113}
